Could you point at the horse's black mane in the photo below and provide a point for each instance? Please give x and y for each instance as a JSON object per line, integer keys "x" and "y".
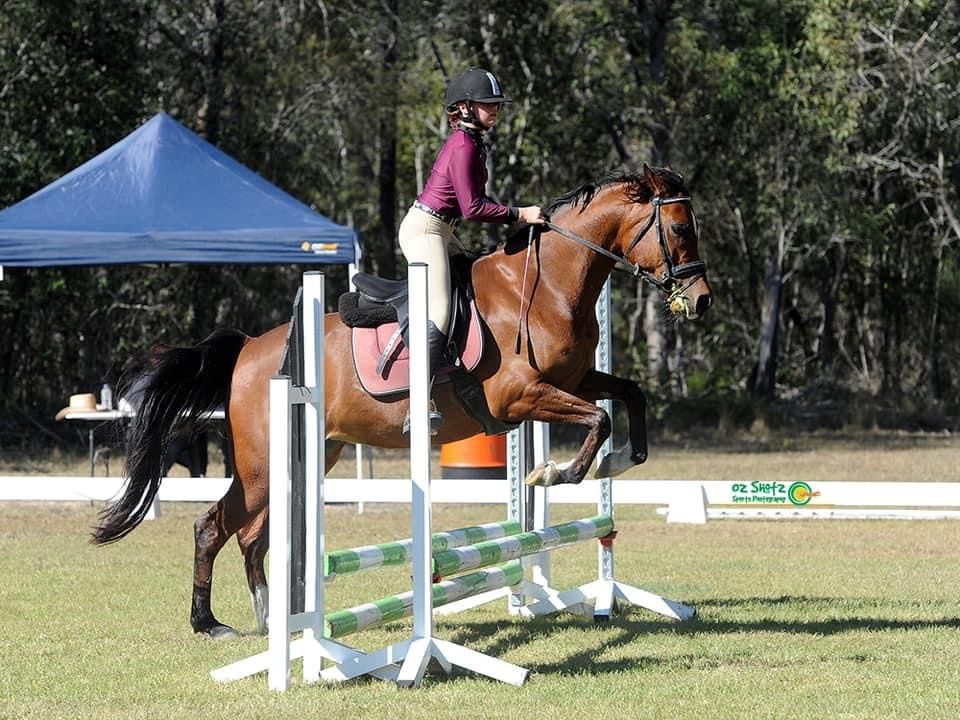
{"x": 638, "y": 190}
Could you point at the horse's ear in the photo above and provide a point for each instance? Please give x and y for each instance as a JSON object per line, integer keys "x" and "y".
{"x": 654, "y": 181}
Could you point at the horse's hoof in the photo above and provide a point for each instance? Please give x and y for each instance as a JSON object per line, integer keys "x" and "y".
{"x": 222, "y": 632}
{"x": 613, "y": 464}
{"x": 544, "y": 475}
{"x": 604, "y": 466}
{"x": 640, "y": 458}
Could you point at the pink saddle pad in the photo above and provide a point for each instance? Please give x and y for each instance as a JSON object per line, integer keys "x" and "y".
{"x": 370, "y": 343}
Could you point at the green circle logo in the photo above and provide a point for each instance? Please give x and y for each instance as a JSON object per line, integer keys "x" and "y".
{"x": 800, "y": 493}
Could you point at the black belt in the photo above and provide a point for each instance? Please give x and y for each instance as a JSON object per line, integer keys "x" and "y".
{"x": 452, "y": 222}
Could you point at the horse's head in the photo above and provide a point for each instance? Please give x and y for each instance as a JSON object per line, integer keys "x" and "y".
{"x": 661, "y": 240}
{"x": 644, "y": 224}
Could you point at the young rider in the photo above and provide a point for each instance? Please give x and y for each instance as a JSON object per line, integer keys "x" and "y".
{"x": 455, "y": 190}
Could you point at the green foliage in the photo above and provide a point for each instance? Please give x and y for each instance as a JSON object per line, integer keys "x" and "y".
{"x": 819, "y": 139}
{"x": 71, "y": 84}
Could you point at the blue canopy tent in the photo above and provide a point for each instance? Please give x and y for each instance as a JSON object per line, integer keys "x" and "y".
{"x": 165, "y": 195}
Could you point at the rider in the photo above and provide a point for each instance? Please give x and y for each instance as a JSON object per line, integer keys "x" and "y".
{"x": 455, "y": 190}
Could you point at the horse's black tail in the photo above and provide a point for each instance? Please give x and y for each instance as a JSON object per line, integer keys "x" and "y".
{"x": 178, "y": 391}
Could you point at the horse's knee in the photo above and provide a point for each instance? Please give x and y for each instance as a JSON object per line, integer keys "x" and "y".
{"x": 603, "y": 426}
{"x": 254, "y": 540}
{"x": 253, "y": 532}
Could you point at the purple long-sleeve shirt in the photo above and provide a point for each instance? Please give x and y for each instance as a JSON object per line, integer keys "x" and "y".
{"x": 456, "y": 184}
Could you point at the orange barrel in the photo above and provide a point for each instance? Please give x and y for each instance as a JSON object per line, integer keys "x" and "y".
{"x": 481, "y": 456}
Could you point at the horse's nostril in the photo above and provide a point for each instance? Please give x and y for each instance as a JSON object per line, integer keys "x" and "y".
{"x": 703, "y": 303}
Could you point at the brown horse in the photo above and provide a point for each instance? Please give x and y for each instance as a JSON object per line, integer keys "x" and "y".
{"x": 644, "y": 223}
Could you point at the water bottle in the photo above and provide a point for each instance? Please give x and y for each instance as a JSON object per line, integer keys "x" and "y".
{"x": 106, "y": 397}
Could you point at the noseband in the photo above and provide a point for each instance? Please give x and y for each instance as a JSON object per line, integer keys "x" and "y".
{"x": 673, "y": 273}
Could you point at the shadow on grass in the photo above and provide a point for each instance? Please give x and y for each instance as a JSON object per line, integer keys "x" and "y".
{"x": 601, "y": 640}
{"x": 847, "y": 615}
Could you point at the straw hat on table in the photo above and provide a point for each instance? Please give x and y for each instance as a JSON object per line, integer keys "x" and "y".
{"x": 83, "y": 402}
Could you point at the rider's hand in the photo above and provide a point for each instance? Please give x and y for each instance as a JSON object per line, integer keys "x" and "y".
{"x": 532, "y": 215}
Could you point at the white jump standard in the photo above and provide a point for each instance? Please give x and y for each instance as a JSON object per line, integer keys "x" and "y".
{"x": 413, "y": 655}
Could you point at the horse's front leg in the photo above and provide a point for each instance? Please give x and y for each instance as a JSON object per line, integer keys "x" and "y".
{"x": 602, "y": 386}
{"x": 546, "y": 403}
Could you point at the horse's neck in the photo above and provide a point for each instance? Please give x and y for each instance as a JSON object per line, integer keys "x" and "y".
{"x": 578, "y": 269}
{"x": 557, "y": 267}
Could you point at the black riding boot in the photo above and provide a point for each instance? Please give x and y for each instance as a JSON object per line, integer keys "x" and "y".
{"x": 436, "y": 344}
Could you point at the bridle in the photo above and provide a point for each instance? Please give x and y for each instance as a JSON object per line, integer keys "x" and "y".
{"x": 670, "y": 280}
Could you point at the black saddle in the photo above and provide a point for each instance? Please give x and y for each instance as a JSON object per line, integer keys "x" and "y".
{"x": 380, "y": 300}
{"x": 379, "y": 289}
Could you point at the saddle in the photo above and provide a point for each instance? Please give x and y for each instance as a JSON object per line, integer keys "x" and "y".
{"x": 378, "y": 314}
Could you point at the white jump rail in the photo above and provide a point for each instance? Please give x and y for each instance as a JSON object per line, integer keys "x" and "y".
{"x": 679, "y": 500}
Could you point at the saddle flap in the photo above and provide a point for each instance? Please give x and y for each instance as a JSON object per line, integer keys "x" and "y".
{"x": 382, "y": 360}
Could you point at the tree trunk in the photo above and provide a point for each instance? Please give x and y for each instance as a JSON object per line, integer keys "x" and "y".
{"x": 764, "y": 378}
{"x": 213, "y": 71}
{"x": 938, "y": 381}
{"x": 387, "y": 176}
{"x": 654, "y": 16}
{"x": 656, "y": 340}
{"x": 827, "y": 341}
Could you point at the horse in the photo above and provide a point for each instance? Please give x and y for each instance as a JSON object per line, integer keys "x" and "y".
{"x": 536, "y": 297}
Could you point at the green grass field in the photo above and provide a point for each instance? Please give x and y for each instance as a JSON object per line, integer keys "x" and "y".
{"x": 797, "y": 619}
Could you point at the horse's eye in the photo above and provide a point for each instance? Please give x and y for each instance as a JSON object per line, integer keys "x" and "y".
{"x": 681, "y": 230}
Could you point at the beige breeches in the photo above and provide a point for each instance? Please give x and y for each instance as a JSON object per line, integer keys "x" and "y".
{"x": 424, "y": 238}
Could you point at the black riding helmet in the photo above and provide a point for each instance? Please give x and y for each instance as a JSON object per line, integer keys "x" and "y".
{"x": 475, "y": 85}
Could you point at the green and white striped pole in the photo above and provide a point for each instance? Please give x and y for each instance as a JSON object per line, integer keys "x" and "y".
{"x": 395, "y": 607}
{"x": 367, "y": 557}
{"x": 448, "y": 562}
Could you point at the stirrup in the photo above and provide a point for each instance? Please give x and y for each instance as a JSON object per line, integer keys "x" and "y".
{"x": 436, "y": 420}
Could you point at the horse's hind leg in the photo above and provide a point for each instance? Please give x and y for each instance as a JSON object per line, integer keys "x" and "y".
{"x": 211, "y": 532}
{"x": 209, "y": 537}
{"x": 254, "y": 539}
